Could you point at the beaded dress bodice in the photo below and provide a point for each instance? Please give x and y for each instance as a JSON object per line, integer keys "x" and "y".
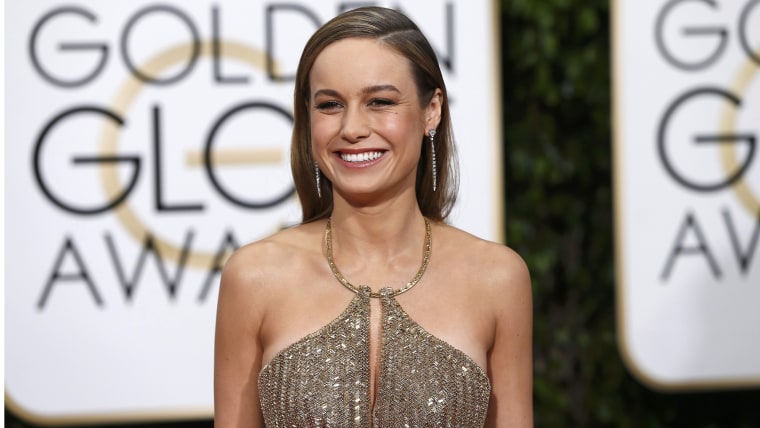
{"x": 323, "y": 379}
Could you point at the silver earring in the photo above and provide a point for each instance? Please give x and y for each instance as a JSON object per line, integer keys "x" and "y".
{"x": 316, "y": 175}
{"x": 431, "y": 133}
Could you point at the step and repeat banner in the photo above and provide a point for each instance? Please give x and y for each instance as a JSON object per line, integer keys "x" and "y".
{"x": 144, "y": 142}
{"x": 687, "y": 129}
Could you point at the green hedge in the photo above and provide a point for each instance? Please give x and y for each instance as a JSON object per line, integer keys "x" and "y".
{"x": 557, "y": 124}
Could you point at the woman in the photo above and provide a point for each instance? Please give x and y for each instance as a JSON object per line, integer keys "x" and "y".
{"x": 373, "y": 311}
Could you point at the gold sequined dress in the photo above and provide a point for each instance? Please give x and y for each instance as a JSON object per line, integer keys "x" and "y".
{"x": 322, "y": 380}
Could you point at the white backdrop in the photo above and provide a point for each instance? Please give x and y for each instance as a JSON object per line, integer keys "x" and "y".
{"x": 146, "y": 140}
{"x": 687, "y": 127}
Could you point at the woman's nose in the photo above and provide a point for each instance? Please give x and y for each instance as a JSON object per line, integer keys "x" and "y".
{"x": 355, "y": 125}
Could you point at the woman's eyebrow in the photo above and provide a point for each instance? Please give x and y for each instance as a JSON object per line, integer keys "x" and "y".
{"x": 327, "y": 92}
{"x": 380, "y": 88}
{"x": 368, "y": 90}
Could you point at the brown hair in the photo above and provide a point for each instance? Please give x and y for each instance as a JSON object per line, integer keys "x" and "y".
{"x": 402, "y": 35}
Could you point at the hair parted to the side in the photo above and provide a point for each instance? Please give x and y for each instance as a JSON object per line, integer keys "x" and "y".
{"x": 402, "y": 35}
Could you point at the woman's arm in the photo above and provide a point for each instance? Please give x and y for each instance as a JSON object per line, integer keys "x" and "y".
{"x": 510, "y": 361}
{"x": 237, "y": 350}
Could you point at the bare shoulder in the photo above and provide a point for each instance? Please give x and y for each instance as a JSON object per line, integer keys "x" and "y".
{"x": 494, "y": 267}
{"x": 498, "y": 285}
{"x": 257, "y": 278}
{"x": 268, "y": 264}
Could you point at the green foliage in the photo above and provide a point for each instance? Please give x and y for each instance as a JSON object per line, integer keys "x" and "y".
{"x": 558, "y": 173}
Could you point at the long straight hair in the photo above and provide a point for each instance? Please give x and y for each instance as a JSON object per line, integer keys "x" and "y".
{"x": 402, "y": 35}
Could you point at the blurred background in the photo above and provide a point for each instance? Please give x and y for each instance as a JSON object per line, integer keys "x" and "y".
{"x": 557, "y": 107}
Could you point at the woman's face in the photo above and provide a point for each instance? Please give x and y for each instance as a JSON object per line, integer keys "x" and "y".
{"x": 367, "y": 121}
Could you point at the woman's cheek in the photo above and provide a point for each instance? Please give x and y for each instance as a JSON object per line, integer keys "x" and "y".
{"x": 390, "y": 124}
{"x": 321, "y": 130}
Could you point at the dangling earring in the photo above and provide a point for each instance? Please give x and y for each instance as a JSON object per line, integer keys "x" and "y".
{"x": 431, "y": 133}
{"x": 316, "y": 175}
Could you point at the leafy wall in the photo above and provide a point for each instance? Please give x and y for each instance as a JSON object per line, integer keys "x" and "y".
{"x": 558, "y": 158}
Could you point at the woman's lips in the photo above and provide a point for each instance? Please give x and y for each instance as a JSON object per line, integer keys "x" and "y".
{"x": 362, "y": 157}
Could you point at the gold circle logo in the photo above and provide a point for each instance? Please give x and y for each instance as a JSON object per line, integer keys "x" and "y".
{"x": 121, "y": 103}
{"x": 727, "y": 125}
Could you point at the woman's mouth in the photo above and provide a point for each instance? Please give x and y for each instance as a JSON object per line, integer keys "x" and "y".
{"x": 360, "y": 157}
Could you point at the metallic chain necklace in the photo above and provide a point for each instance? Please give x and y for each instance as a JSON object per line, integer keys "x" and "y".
{"x": 425, "y": 261}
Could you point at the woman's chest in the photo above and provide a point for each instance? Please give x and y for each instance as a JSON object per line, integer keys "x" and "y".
{"x": 326, "y": 377}
{"x": 455, "y": 319}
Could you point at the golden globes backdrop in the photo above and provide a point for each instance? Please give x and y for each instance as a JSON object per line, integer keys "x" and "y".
{"x": 687, "y": 124}
{"x": 145, "y": 141}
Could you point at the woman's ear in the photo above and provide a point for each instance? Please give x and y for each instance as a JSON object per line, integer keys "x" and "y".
{"x": 433, "y": 110}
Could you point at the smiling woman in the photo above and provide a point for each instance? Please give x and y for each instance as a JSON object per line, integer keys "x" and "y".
{"x": 364, "y": 105}
{"x": 414, "y": 63}
{"x": 372, "y": 159}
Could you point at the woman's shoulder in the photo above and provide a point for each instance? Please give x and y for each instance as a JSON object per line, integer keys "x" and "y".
{"x": 492, "y": 265}
{"x": 484, "y": 253}
{"x": 277, "y": 256}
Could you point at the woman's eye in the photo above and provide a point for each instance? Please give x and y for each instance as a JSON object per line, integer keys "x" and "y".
{"x": 381, "y": 102}
{"x": 328, "y": 105}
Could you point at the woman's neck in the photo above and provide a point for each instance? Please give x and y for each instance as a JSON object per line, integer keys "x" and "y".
{"x": 378, "y": 232}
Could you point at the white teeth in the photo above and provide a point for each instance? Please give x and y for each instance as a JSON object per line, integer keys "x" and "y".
{"x": 360, "y": 157}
